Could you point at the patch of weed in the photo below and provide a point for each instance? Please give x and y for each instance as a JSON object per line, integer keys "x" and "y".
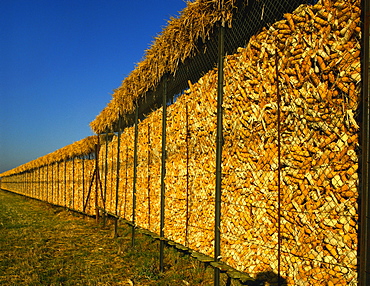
{"x": 42, "y": 244}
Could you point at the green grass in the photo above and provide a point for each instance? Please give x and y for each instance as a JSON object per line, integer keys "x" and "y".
{"x": 42, "y": 244}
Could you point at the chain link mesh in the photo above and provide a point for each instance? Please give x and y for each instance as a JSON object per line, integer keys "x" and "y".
{"x": 290, "y": 178}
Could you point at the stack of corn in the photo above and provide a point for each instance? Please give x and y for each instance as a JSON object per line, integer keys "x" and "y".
{"x": 311, "y": 60}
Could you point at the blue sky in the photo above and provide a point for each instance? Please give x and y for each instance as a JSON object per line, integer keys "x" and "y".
{"x": 60, "y": 62}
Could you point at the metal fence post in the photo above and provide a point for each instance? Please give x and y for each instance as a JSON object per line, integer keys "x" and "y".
{"x": 58, "y": 184}
{"x": 47, "y": 182}
{"x": 278, "y": 95}
{"x": 135, "y": 176}
{"x": 126, "y": 182}
{"x": 39, "y": 178}
{"x": 149, "y": 163}
{"x": 364, "y": 226}
{"x": 117, "y": 176}
{"x": 30, "y": 183}
{"x": 163, "y": 174}
{"x": 65, "y": 183}
{"x": 187, "y": 138}
{"x": 31, "y": 178}
{"x": 73, "y": 183}
{"x": 26, "y": 182}
{"x": 104, "y": 197}
{"x": 43, "y": 183}
{"x": 97, "y": 179}
{"x": 83, "y": 179}
{"x": 219, "y": 143}
{"x": 52, "y": 184}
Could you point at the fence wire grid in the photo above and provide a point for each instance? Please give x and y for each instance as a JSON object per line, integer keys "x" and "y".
{"x": 290, "y": 153}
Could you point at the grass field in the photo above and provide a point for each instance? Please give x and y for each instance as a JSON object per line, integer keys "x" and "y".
{"x": 41, "y": 244}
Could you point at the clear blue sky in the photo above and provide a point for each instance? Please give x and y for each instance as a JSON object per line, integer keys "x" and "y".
{"x": 60, "y": 61}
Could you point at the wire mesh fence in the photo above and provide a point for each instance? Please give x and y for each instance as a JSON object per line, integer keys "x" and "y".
{"x": 290, "y": 152}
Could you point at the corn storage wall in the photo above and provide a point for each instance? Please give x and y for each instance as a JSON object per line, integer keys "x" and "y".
{"x": 290, "y": 158}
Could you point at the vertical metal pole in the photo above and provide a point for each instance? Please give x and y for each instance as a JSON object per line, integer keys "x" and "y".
{"x": 219, "y": 143}
{"x": 111, "y": 178}
{"x": 97, "y": 180}
{"x": 187, "y": 175}
{"x": 126, "y": 182}
{"x": 117, "y": 174}
{"x": 83, "y": 179}
{"x": 21, "y": 182}
{"x": 135, "y": 176}
{"x": 364, "y": 226}
{"x": 65, "y": 183}
{"x": 42, "y": 183}
{"x": 279, "y": 164}
{"x": 163, "y": 174}
{"x": 39, "y": 178}
{"x": 31, "y": 175}
{"x": 58, "y": 184}
{"x": 52, "y": 184}
{"x": 39, "y": 183}
{"x": 25, "y": 182}
{"x": 35, "y": 183}
{"x": 149, "y": 162}
{"x": 105, "y": 176}
{"x": 28, "y": 182}
{"x": 73, "y": 183}
{"x": 47, "y": 182}
{"x": 31, "y": 181}
{"x": 34, "y": 178}
{"x": 31, "y": 186}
